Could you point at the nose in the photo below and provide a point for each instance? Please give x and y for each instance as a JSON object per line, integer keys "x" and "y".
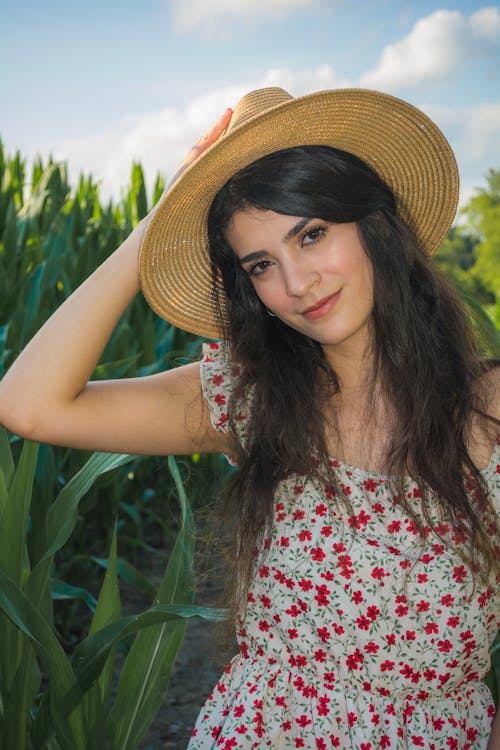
{"x": 299, "y": 277}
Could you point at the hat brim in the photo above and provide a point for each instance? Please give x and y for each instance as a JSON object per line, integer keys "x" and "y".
{"x": 404, "y": 147}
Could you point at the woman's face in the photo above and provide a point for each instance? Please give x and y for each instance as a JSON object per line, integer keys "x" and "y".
{"x": 312, "y": 274}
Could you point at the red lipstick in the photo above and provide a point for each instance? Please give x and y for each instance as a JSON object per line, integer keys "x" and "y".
{"x": 322, "y": 307}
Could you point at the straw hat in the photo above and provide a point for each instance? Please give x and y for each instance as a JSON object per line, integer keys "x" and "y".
{"x": 398, "y": 141}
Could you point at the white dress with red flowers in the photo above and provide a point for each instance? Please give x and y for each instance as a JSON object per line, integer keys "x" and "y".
{"x": 355, "y": 635}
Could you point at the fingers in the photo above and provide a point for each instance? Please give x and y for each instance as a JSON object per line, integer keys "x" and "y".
{"x": 205, "y": 142}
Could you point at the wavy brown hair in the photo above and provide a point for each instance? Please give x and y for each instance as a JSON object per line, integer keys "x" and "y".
{"x": 425, "y": 356}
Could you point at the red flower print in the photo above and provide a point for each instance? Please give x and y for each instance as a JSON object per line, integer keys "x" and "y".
{"x": 387, "y": 666}
{"x": 216, "y": 731}
{"x": 370, "y": 485}
{"x": 431, "y": 627}
{"x": 378, "y": 508}
{"x": 220, "y": 399}
{"x": 459, "y": 573}
{"x": 472, "y": 734}
{"x": 394, "y": 527}
{"x": 305, "y": 584}
{"x": 320, "y": 744}
{"x": 322, "y": 593}
{"x": 339, "y": 547}
{"x": 298, "y": 489}
{"x": 239, "y": 710}
{"x": 359, "y": 520}
{"x": 324, "y": 634}
{"x": 284, "y": 541}
{"x": 447, "y": 600}
{"x": 357, "y": 597}
{"x": 423, "y": 606}
{"x": 351, "y": 718}
{"x": 217, "y": 380}
{"x": 305, "y": 535}
{"x": 326, "y": 531}
{"x": 371, "y": 647}
{"x": 417, "y": 740}
{"x": 363, "y": 622}
{"x": 385, "y": 741}
{"x": 453, "y": 622}
{"x": 298, "y": 514}
{"x": 321, "y": 509}
{"x": 293, "y": 633}
{"x": 318, "y": 554}
{"x": 372, "y": 612}
{"x": 401, "y": 610}
{"x": 484, "y": 597}
{"x": 303, "y": 721}
{"x": 452, "y": 743}
{"x": 378, "y": 573}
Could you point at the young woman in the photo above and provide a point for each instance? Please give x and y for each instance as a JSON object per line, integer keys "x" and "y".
{"x": 352, "y": 396}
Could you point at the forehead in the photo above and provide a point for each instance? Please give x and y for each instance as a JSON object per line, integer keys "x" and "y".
{"x": 253, "y": 229}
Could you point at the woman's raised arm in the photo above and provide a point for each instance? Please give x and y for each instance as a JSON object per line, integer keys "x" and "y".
{"x": 46, "y": 394}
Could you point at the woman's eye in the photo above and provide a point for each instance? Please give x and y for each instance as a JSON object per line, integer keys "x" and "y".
{"x": 257, "y": 269}
{"x": 313, "y": 234}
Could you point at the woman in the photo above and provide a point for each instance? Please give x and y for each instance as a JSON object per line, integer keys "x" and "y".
{"x": 349, "y": 391}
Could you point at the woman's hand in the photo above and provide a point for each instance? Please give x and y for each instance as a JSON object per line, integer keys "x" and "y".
{"x": 202, "y": 144}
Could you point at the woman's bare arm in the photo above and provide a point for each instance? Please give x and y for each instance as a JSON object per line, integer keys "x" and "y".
{"x": 46, "y": 395}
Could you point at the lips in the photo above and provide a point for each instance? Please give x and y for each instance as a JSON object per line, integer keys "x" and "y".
{"x": 322, "y": 307}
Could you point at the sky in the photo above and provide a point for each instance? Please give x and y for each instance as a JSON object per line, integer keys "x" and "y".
{"x": 102, "y": 83}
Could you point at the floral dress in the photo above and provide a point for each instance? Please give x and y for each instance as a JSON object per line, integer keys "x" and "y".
{"x": 358, "y": 633}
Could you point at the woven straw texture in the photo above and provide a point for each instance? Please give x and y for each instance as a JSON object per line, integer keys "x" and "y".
{"x": 397, "y": 140}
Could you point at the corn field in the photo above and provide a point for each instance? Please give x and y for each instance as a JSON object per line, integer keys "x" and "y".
{"x": 54, "y": 694}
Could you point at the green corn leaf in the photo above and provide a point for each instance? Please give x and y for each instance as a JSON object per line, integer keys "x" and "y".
{"x": 33, "y": 300}
{"x": 16, "y": 606}
{"x": 6, "y": 468}
{"x": 62, "y": 590}
{"x": 130, "y": 574}
{"x": 147, "y": 669}
{"x": 16, "y": 713}
{"x": 108, "y": 610}
{"x": 90, "y": 655}
{"x": 15, "y": 516}
{"x": 63, "y": 513}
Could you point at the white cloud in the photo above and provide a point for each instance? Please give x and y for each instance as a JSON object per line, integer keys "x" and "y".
{"x": 190, "y": 14}
{"x": 159, "y": 140}
{"x": 473, "y": 135}
{"x": 437, "y": 46}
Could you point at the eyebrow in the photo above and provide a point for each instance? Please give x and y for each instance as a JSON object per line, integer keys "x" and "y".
{"x": 293, "y": 232}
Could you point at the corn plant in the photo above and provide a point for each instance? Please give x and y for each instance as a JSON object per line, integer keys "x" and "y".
{"x": 49, "y": 700}
{"x": 52, "y": 236}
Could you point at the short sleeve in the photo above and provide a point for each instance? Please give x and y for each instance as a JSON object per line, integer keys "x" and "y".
{"x": 218, "y": 374}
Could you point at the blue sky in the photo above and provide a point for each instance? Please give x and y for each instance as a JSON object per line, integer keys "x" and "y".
{"x": 101, "y": 83}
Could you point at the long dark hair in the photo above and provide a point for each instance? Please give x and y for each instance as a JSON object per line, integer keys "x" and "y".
{"x": 424, "y": 353}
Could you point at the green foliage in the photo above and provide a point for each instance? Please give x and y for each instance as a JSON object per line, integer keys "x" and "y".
{"x": 52, "y": 236}
{"x": 49, "y": 700}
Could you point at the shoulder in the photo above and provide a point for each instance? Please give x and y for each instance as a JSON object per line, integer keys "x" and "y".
{"x": 485, "y": 427}
{"x": 490, "y": 390}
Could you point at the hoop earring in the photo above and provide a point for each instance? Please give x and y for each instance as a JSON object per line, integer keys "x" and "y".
{"x": 270, "y": 313}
